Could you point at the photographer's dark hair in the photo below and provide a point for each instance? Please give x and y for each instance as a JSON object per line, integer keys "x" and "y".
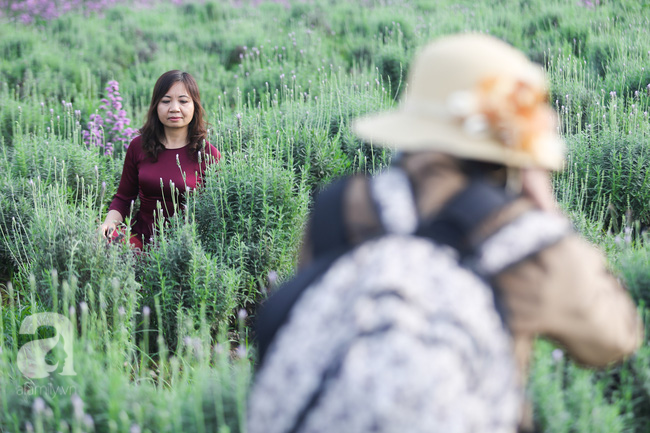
{"x": 493, "y": 172}
{"x": 153, "y": 131}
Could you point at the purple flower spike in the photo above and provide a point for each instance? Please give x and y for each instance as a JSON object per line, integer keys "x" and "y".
{"x": 110, "y": 127}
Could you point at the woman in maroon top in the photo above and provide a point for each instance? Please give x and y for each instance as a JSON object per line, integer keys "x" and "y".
{"x": 168, "y": 157}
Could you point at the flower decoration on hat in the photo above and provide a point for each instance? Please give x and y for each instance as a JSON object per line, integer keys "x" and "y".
{"x": 513, "y": 111}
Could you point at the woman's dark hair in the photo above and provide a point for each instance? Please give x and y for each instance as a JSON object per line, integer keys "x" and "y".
{"x": 153, "y": 131}
{"x": 494, "y": 172}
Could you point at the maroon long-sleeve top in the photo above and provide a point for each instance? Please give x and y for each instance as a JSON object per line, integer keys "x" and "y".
{"x": 153, "y": 182}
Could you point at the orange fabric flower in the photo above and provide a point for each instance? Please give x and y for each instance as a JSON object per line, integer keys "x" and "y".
{"x": 516, "y": 111}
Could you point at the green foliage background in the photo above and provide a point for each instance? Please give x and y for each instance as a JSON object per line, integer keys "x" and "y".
{"x": 280, "y": 86}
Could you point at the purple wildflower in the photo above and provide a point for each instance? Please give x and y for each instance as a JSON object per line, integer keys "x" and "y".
{"x": 273, "y": 277}
{"x": 30, "y": 11}
{"x": 241, "y": 352}
{"x": 112, "y": 128}
{"x": 39, "y": 406}
{"x": 557, "y": 355}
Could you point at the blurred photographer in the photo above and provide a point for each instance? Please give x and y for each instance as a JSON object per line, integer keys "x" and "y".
{"x": 421, "y": 290}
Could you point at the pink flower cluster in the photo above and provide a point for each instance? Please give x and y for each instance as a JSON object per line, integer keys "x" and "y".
{"x": 112, "y": 128}
{"x": 589, "y": 4}
{"x": 28, "y": 11}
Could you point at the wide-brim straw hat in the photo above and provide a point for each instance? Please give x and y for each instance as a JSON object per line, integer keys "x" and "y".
{"x": 474, "y": 97}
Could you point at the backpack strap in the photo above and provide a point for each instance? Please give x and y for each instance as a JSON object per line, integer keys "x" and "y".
{"x": 524, "y": 237}
{"x": 327, "y": 229}
{"x": 463, "y": 214}
{"x": 392, "y": 195}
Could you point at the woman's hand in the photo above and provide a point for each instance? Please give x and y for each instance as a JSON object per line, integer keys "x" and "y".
{"x": 107, "y": 229}
{"x": 110, "y": 224}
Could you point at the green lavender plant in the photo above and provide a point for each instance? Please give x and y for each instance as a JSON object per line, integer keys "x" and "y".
{"x": 196, "y": 390}
{"x": 249, "y": 215}
{"x": 614, "y": 168}
{"x": 178, "y": 274}
{"x": 568, "y": 398}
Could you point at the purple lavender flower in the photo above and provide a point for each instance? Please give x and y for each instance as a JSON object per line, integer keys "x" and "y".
{"x": 30, "y": 11}
{"x": 241, "y": 352}
{"x": 111, "y": 128}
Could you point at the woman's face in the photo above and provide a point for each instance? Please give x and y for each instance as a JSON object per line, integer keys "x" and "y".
{"x": 176, "y": 108}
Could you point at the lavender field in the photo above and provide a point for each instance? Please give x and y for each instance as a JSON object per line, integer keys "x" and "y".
{"x": 163, "y": 341}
